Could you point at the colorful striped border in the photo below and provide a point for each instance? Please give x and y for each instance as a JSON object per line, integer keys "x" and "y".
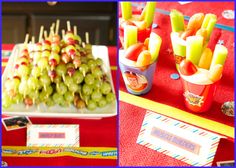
{"x": 81, "y": 152}
{"x": 171, "y": 122}
{"x": 177, "y": 114}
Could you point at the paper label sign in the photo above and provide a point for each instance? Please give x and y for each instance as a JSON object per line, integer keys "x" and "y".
{"x": 179, "y": 140}
{"x": 53, "y": 135}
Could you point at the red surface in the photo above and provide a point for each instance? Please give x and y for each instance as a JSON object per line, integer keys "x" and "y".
{"x": 168, "y": 91}
{"x": 97, "y": 133}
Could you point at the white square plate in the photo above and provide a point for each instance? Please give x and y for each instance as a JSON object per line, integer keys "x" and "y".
{"x": 57, "y": 111}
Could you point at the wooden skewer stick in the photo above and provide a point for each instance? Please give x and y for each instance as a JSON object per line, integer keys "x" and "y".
{"x": 41, "y": 33}
{"x": 33, "y": 40}
{"x": 52, "y": 31}
{"x": 63, "y": 33}
{"x": 75, "y": 30}
{"x": 51, "y": 28}
{"x": 68, "y": 26}
{"x": 45, "y": 34}
{"x": 26, "y": 39}
{"x": 83, "y": 44}
{"x": 87, "y": 37}
{"x": 57, "y": 26}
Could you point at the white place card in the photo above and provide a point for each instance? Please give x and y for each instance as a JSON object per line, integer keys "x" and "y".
{"x": 179, "y": 140}
{"x": 53, "y": 135}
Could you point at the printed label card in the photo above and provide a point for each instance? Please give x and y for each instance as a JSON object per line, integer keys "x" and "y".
{"x": 53, "y": 135}
{"x": 179, "y": 140}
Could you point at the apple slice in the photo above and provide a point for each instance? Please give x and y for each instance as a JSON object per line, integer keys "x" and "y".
{"x": 134, "y": 50}
{"x": 141, "y": 25}
{"x": 154, "y": 45}
{"x": 144, "y": 58}
{"x": 187, "y": 68}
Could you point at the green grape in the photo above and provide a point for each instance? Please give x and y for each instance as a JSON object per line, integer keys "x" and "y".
{"x": 105, "y": 88}
{"x": 57, "y": 79}
{"x": 69, "y": 65}
{"x": 45, "y": 80}
{"x": 97, "y": 84}
{"x": 42, "y": 63}
{"x": 55, "y": 48}
{"x": 78, "y": 77}
{"x": 83, "y": 69}
{"x": 6, "y": 100}
{"x": 23, "y": 88}
{"x": 92, "y": 105}
{"x": 69, "y": 97}
{"x": 64, "y": 103}
{"x": 61, "y": 69}
{"x": 48, "y": 89}
{"x": 34, "y": 95}
{"x": 46, "y": 53}
{"x": 33, "y": 83}
{"x": 84, "y": 60}
{"x": 17, "y": 99}
{"x": 97, "y": 72}
{"x": 12, "y": 85}
{"x": 92, "y": 63}
{"x": 57, "y": 98}
{"x": 70, "y": 47}
{"x": 87, "y": 89}
{"x": 68, "y": 81}
{"x": 61, "y": 88}
{"x": 36, "y": 72}
{"x": 23, "y": 70}
{"x": 43, "y": 96}
{"x": 74, "y": 88}
{"x": 37, "y": 55}
{"x": 49, "y": 102}
{"x": 99, "y": 61}
{"x": 110, "y": 97}
{"x": 96, "y": 96}
{"x": 89, "y": 79}
{"x": 55, "y": 56}
{"x": 102, "y": 102}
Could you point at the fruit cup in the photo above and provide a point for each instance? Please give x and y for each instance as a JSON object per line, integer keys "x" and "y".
{"x": 141, "y": 21}
{"x": 142, "y": 34}
{"x": 138, "y": 80}
{"x": 198, "y": 97}
{"x": 188, "y": 41}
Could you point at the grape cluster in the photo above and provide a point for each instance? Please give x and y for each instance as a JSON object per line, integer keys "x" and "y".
{"x": 58, "y": 71}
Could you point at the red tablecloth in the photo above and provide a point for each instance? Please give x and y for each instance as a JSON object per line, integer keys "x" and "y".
{"x": 169, "y": 92}
{"x": 93, "y": 133}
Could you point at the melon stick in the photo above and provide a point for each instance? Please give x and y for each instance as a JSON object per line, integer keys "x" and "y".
{"x": 177, "y": 21}
{"x": 130, "y": 35}
{"x": 154, "y": 46}
{"x": 216, "y": 72}
{"x": 219, "y": 55}
{"x": 194, "y": 45}
{"x": 126, "y": 10}
{"x": 209, "y": 23}
{"x": 178, "y": 47}
{"x": 205, "y": 60}
{"x": 149, "y": 13}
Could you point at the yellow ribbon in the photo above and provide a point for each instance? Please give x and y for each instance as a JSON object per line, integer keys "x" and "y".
{"x": 177, "y": 114}
{"x": 81, "y": 152}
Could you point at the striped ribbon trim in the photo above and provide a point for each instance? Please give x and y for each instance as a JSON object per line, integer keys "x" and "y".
{"x": 177, "y": 114}
{"x": 81, "y": 152}
{"x": 164, "y": 12}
